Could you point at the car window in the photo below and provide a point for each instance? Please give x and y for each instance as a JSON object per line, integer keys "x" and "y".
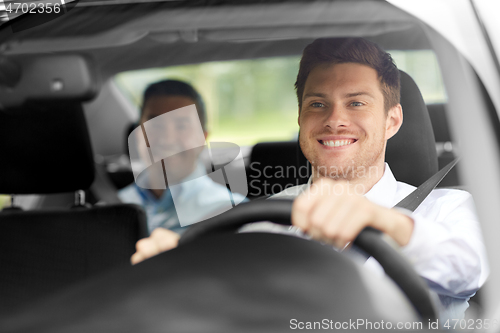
{"x": 4, "y": 200}
{"x": 423, "y": 67}
{"x": 247, "y": 98}
{"x": 253, "y": 100}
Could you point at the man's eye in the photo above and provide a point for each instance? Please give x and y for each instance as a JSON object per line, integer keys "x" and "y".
{"x": 317, "y": 105}
{"x": 356, "y": 104}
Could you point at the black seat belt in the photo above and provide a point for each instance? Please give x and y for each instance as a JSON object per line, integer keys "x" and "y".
{"x": 410, "y": 202}
{"x": 415, "y": 198}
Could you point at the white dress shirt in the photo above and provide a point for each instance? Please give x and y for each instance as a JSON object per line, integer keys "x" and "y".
{"x": 194, "y": 201}
{"x": 446, "y": 246}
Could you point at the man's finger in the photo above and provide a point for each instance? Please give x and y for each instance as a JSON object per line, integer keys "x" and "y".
{"x": 137, "y": 258}
{"x": 146, "y": 248}
{"x": 304, "y": 204}
{"x": 300, "y": 211}
{"x": 165, "y": 239}
{"x": 160, "y": 240}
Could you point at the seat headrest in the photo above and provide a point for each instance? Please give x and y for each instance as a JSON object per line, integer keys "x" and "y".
{"x": 411, "y": 153}
{"x": 273, "y": 168}
{"x": 45, "y": 150}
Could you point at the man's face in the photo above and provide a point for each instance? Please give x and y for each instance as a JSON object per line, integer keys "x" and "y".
{"x": 343, "y": 124}
{"x": 173, "y": 135}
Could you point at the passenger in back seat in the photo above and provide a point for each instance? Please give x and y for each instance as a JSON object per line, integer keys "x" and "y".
{"x": 189, "y": 195}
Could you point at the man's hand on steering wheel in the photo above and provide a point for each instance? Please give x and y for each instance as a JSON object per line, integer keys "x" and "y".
{"x": 160, "y": 240}
{"x": 332, "y": 212}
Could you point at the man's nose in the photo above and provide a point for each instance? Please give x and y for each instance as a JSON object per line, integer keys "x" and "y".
{"x": 337, "y": 116}
{"x": 170, "y": 135}
{"x": 163, "y": 133}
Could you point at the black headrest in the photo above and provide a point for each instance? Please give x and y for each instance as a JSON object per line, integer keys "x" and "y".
{"x": 411, "y": 153}
{"x": 273, "y": 168}
{"x": 45, "y": 150}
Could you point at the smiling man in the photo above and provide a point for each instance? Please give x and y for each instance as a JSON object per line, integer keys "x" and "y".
{"x": 176, "y": 191}
{"x": 348, "y": 92}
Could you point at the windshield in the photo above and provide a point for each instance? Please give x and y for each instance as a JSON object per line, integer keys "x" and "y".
{"x": 143, "y": 75}
{"x": 245, "y": 99}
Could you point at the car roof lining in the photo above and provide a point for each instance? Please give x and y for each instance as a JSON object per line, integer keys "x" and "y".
{"x": 162, "y": 16}
{"x": 153, "y": 55}
{"x": 157, "y": 35}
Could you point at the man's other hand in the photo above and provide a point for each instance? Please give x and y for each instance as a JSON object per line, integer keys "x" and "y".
{"x": 161, "y": 240}
{"x": 335, "y": 212}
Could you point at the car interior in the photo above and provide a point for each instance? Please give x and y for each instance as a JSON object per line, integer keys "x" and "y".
{"x": 64, "y": 127}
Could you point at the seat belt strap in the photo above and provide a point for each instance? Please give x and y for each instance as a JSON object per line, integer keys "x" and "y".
{"x": 415, "y": 198}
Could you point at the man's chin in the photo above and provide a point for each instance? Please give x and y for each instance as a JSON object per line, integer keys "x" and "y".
{"x": 177, "y": 166}
{"x": 342, "y": 171}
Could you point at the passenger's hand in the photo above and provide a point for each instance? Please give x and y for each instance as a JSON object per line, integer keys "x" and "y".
{"x": 161, "y": 240}
{"x": 333, "y": 212}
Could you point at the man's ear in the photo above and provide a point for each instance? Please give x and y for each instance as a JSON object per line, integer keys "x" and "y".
{"x": 394, "y": 121}
{"x": 298, "y": 117}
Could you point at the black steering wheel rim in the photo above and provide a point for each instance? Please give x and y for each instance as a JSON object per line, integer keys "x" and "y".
{"x": 369, "y": 240}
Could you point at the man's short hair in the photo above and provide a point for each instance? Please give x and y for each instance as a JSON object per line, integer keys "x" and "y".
{"x": 351, "y": 50}
{"x": 176, "y": 88}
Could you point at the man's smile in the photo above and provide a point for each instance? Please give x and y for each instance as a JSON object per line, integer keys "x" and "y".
{"x": 337, "y": 142}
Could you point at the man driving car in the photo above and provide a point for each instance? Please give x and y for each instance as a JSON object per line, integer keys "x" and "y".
{"x": 348, "y": 93}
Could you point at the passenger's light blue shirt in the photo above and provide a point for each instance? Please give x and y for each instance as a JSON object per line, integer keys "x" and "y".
{"x": 198, "y": 199}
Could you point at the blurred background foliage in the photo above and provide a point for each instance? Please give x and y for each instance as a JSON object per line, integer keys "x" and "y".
{"x": 4, "y": 201}
{"x": 250, "y": 101}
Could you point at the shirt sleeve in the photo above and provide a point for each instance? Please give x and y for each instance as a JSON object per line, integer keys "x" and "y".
{"x": 446, "y": 247}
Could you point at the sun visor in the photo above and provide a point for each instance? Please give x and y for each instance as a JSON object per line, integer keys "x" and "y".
{"x": 50, "y": 78}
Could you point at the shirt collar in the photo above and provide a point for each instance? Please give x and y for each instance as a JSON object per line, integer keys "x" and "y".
{"x": 383, "y": 192}
{"x": 183, "y": 191}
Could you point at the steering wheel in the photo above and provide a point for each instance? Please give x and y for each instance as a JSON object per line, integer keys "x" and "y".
{"x": 224, "y": 282}
{"x": 369, "y": 240}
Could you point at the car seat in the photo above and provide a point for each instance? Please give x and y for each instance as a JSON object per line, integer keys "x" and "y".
{"x": 275, "y": 166}
{"x": 411, "y": 153}
{"x": 47, "y": 150}
{"x": 444, "y": 143}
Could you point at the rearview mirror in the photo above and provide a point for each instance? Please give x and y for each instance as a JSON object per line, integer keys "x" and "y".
{"x": 48, "y": 78}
